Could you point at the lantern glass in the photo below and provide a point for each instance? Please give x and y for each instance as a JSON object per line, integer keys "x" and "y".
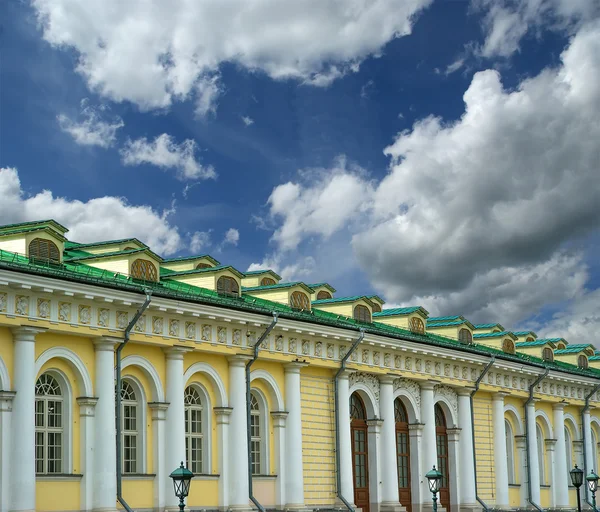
{"x": 592, "y": 482}
{"x": 434, "y": 478}
{"x": 182, "y": 478}
{"x": 576, "y": 476}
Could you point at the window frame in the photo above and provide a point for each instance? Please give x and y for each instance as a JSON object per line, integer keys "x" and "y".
{"x": 228, "y": 279}
{"x": 263, "y": 438}
{"x": 51, "y": 246}
{"x": 541, "y": 453}
{"x": 508, "y": 346}
{"x": 416, "y": 325}
{"x": 510, "y": 451}
{"x": 206, "y": 418}
{"x": 582, "y": 361}
{"x": 357, "y": 316}
{"x": 469, "y": 339}
{"x": 304, "y": 298}
{"x": 268, "y": 281}
{"x": 545, "y": 352}
{"x": 141, "y": 404}
{"x": 143, "y": 269}
{"x": 324, "y": 295}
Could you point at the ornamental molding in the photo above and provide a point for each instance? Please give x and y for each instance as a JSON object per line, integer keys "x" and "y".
{"x": 447, "y": 395}
{"x": 411, "y": 388}
{"x": 367, "y": 379}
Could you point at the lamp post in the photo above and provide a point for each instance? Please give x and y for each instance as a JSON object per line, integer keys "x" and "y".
{"x": 577, "y": 480}
{"x": 592, "y": 482}
{"x": 182, "y": 478}
{"x": 434, "y": 478}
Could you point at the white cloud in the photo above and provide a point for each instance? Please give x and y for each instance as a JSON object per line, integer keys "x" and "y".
{"x": 153, "y": 53}
{"x": 247, "y": 120}
{"x": 199, "y": 241}
{"x": 298, "y": 270}
{"x": 232, "y": 237}
{"x": 164, "y": 152}
{"x": 93, "y": 129}
{"x": 208, "y": 90}
{"x": 101, "y": 218}
{"x": 455, "y": 66}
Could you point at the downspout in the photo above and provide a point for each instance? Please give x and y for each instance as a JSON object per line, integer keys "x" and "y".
{"x": 337, "y": 420}
{"x": 529, "y": 400}
{"x": 248, "y": 411}
{"x": 477, "y": 383}
{"x": 128, "y": 329}
{"x": 585, "y": 409}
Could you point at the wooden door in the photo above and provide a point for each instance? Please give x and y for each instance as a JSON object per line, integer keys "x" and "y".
{"x": 442, "y": 456}
{"x": 360, "y": 452}
{"x": 403, "y": 454}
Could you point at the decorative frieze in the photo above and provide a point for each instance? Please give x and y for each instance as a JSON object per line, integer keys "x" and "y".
{"x": 236, "y": 338}
{"x": 410, "y": 387}
{"x": 190, "y": 330}
{"x": 376, "y": 358}
{"x": 43, "y": 308}
{"x": 222, "y": 335}
{"x": 103, "y": 317}
{"x": 85, "y": 314}
{"x": 174, "y": 328}
{"x": 370, "y": 381}
{"x": 157, "y": 325}
{"x": 292, "y": 346}
{"x": 3, "y": 302}
{"x": 387, "y": 359}
{"x": 318, "y": 349}
{"x": 140, "y": 325}
{"x": 206, "y": 333}
{"x": 279, "y": 343}
{"x": 22, "y": 305}
{"x": 122, "y": 319}
{"x": 64, "y": 311}
{"x": 330, "y": 350}
{"x": 449, "y": 396}
{"x": 305, "y": 347}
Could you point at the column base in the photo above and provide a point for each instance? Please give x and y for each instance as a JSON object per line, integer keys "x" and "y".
{"x": 339, "y": 504}
{"x": 471, "y": 507}
{"x": 239, "y": 508}
{"x": 105, "y": 509}
{"x": 428, "y": 507}
{"x": 391, "y": 506}
{"x": 295, "y": 507}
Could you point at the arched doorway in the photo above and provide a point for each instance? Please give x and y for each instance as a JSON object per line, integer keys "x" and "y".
{"x": 360, "y": 452}
{"x": 403, "y": 454}
{"x": 441, "y": 438}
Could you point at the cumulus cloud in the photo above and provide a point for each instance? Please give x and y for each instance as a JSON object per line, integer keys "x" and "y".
{"x": 101, "y": 218}
{"x": 181, "y": 44}
{"x": 297, "y": 270}
{"x": 232, "y": 237}
{"x": 93, "y": 127}
{"x": 199, "y": 241}
{"x": 165, "y": 153}
{"x": 247, "y": 120}
{"x": 208, "y": 89}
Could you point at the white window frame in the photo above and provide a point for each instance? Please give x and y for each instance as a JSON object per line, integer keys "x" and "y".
{"x": 140, "y": 402}
{"x": 206, "y": 419}
{"x": 568, "y": 452}
{"x": 541, "y": 454}
{"x": 510, "y": 451}
{"x": 264, "y": 439}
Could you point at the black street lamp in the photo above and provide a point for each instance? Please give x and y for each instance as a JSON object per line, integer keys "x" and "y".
{"x": 592, "y": 483}
{"x": 182, "y": 478}
{"x": 577, "y": 480}
{"x": 434, "y": 478}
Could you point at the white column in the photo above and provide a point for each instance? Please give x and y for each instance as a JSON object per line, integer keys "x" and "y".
{"x": 279, "y": 436}
{"x": 105, "y": 456}
{"x": 415, "y": 432}
{"x": 521, "y": 444}
{"x": 549, "y": 446}
{"x": 294, "y": 474}
{"x": 465, "y": 462}
{"x": 534, "y": 474}
{"x": 429, "y": 446}
{"x": 161, "y": 482}
{"x": 500, "y": 455}
{"x": 389, "y": 465}
{"x": 223, "y": 414}
{"x": 454, "y": 435}
{"x": 345, "y": 469}
{"x": 6, "y": 399}
{"x": 175, "y": 421}
{"x": 374, "y": 443}
{"x": 589, "y": 453}
{"x": 560, "y": 482}
{"x": 22, "y": 446}
{"x": 87, "y": 409}
{"x": 238, "y": 443}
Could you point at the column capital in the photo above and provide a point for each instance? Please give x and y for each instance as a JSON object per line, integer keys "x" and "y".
{"x": 87, "y": 405}
{"x": 176, "y": 352}
{"x": 26, "y": 332}
{"x": 521, "y": 442}
{"x": 223, "y": 414}
{"x": 294, "y": 366}
{"x": 499, "y": 396}
{"x": 159, "y": 410}
{"x": 6, "y": 398}
{"x": 387, "y": 379}
{"x": 279, "y": 418}
{"x": 374, "y": 425}
{"x": 463, "y": 391}
{"x": 428, "y": 384}
{"x": 239, "y": 359}
{"x": 453, "y": 434}
{"x": 106, "y": 343}
{"x": 560, "y": 406}
{"x": 550, "y": 444}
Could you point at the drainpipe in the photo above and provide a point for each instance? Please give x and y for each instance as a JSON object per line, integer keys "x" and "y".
{"x": 477, "y": 383}
{"x": 248, "y": 411}
{"x": 529, "y": 400}
{"x": 585, "y": 409}
{"x": 337, "y": 421}
{"x": 128, "y": 329}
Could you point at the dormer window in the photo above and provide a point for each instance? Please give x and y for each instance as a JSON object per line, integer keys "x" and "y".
{"x": 362, "y": 314}
{"x": 228, "y": 286}
{"x": 299, "y": 300}
{"x": 376, "y": 308}
{"x": 582, "y": 361}
{"x": 547, "y": 354}
{"x": 323, "y": 295}
{"x": 46, "y": 250}
{"x": 508, "y": 346}
{"x": 203, "y": 265}
{"x": 267, "y": 281}
{"x": 129, "y": 248}
{"x": 465, "y": 336}
{"x": 417, "y": 325}
{"x": 561, "y": 346}
{"x": 529, "y": 338}
{"x": 143, "y": 269}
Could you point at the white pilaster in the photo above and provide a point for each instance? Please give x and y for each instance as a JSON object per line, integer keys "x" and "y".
{"x": 549, "y": 448}
{"x": 105, "y": 456}
{"x": 500, "y": 455}
{"x": 238, "y": 443}
{"x": 454, "y": 435}
{"x": 6, "y": 399}
{"x": 22, "y": 446}
{"x": 87, "y": 409}
{"x": 347, "y": 483}
{"x": 223, "y": 414}
{"x": 429, "y": 446}
{"x": 465, "y": 461}
{"x": 521, "y": 444}
{"x": 159, "y": 416}
{"x": 532, "y": 451}
{"x": 279, "y": 436}
{"x": 389, "y": 464}
{"x": 174, "y": 423}
{"x": 294, "y": 474}
{"x": 589, "y": 452}
{"x": 375, "y": 473}
{"x": 560, "y": 482}
{"x": 415, "y": 432}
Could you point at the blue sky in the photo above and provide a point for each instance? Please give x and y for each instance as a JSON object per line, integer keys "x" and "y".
{"x": 435, "y": 152}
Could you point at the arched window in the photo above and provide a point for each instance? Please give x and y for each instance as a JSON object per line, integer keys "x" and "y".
{"x": 540, "y": 450}
{"x": 129, "y": 249}
{"x": 194, "y": 430}
{"x": 376, "y": 308}
{"x": 267, "y": 281}
{"x": 508, "y": 346}
{"x": 45, "y": 250}
{"x": 569, "y": 453}
{"x": 357, "y": 408}
{"x": 417, "y": 325}
{"x": 130, "y": 425}
{"x": 143, "y": 269}
{"x": 547, "y": 354}
{"x": 203, "y": 265}
{"x": 465, "y": 336}
{"x": 362, "y": 313}
{"x": 49, "y": 426}
{"x": 442, "y": 449}
{"x": 529, "y": 338}
{"x": 322, "y": 295}
{"x": 510, "y": 451}
{"x": 582, "y": 361}
{"x": 228, "y": 286}
{"x": 257, "y": 436}
{"x": 402, "y": 451}
{"x": 595, "y": 449}
{"x": 299, "y": 300}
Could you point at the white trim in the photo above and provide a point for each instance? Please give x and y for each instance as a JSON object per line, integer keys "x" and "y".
{"x": 368, "y": 398}
{"x": 265, "y": 437}
{"x": 510, "y": 451}
{"x": 569, "y": 418}
{"x": 213, "y": 376}
{"x": 4, "y": 377}
{"x": 448, "y": 409}
{"x": 158, "y": 394}
{"x": 142, "y": 404}
{"x": 276, "y": 396}
{"x": 514, "y": 413}
{"x": 410, "y": 404}
{"x": 546, "y": 425}
{"x": 83, "y": 377}
{"x": 541, "y": 450}
{"x": 207, "y": 429}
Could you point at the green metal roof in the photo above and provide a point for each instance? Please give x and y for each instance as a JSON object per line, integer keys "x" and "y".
{"x": 260, "y": 272}
{"x": 555, "y": 340}
{"x": 377, "y": 298}
{"x": 191, "y": 258}
{"x": 445, "y": 324}
{"x": 321, "y": 285}
{"x": 33, "y": 225}
{"x": 536, "y": 343}
{"x": 574, "y": 349}
{"x": 177, "y": 273}
{"x": 488, "y": 326}
{"x": 89, "y": 256}
{"x": 354, "y": 298}
{"x": 443, "y": 318}
{"x": 182, "y": 291}
{"x": 399, "y": 311}
{"x": 594, "y": 358}
{"x": 276, "y": 286}
{"x": 500, "y": 334}
{"x": 522, "y": 334}
{"x": 105, "y": 242}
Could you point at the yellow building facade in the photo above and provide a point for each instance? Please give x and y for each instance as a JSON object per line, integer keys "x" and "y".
{"x": 272, "y": 393}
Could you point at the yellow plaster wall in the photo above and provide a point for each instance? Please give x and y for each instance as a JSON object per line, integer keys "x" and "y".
{"x": 179, "y": 266}
{"x": 51, "y": 495}
{"x": 344, "y": 309}
{"x": 203, "y": 493}
{"x": 15, "y": 243}
{"x": 278, "y": 295}
{"x": 6, "y": 351}
{"x": 207, "y": 281}
{"x": 139, "y": 493}
{"x": 253, "y": 280}
{"x": 484, "y": 445}
{"x": 396, "y": 321}
{"x": 514, "y": 496}
{"x": 120, "y": 265}
{"x": 154, "y": 355}
{"x": 450, "y": 331}
{"x": 567, "y": 358}
{"x": 264, "y": 491}
{"x": 318, "y": 447}
{"x": 545, "y": 497}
